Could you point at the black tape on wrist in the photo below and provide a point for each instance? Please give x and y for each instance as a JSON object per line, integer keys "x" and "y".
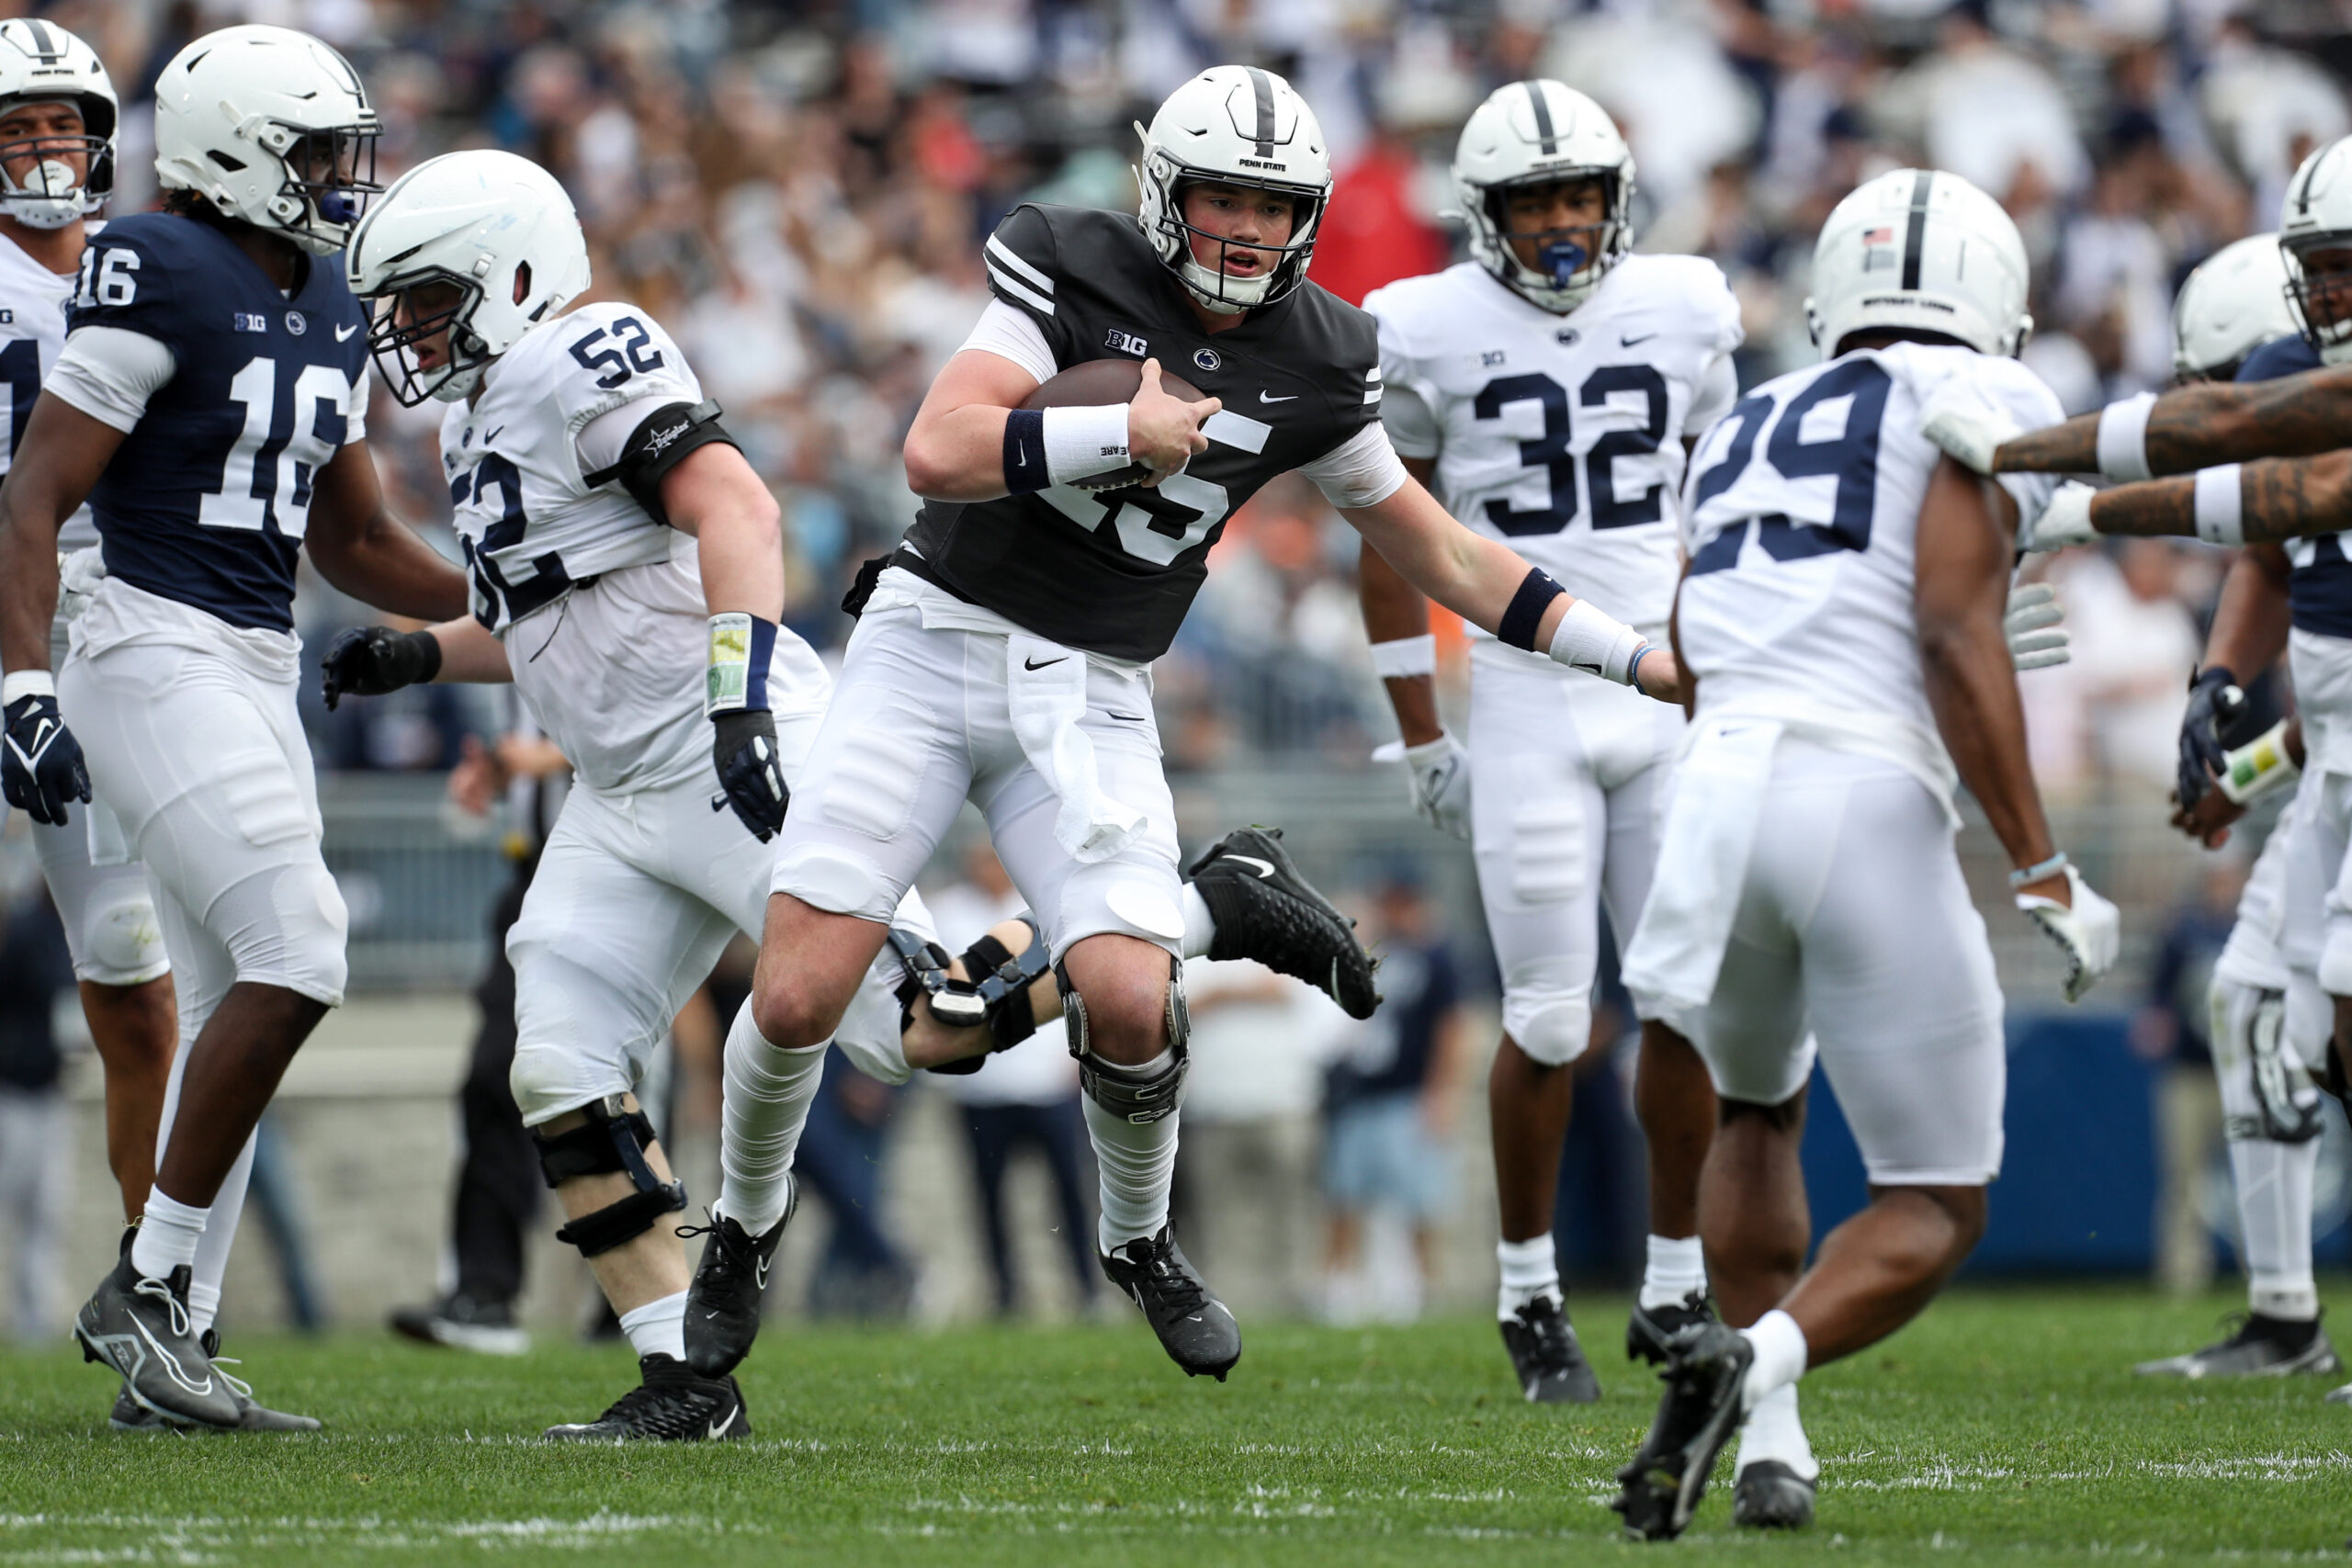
{"x": 1536, "y": 592}
{"x": 1024, "y": 451}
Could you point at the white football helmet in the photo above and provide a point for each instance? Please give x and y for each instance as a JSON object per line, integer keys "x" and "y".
{"x": 2233, "y": 303}
{"x": 42, "y": 62}
{"x": 1234, "y": 125}
{"x": 1919, "y": 250}
{"x": 499, "y": 229}
{"x": 273, "y": 128}
{"x": 2317, "y": 216}
{"x": 1542, "y": 133}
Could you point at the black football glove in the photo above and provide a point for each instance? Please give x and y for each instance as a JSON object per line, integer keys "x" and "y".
{"x": 367, "y": 662}
{"x": 743, "y": 749}
{"x": 2215, "y": 703}
{"x": 40, "y": 762}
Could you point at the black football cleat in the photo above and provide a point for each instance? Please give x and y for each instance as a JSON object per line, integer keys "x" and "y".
{"x": 723, "y": 1304}
{"x": 671, "y": 1405}
{"x": 1697, "y": 1415}
{"x": 1266, "y": 912}
{"x": 2258, "y": 1348}
{"x": 1650, "y": 1329}
{"x": 141, "y": 1328}
{"x": 1770, "y": 1495}
{"x": 461, "y": 1323}
{"x": 1545, "y": 1353}
{"x": 1196, "y": 1328}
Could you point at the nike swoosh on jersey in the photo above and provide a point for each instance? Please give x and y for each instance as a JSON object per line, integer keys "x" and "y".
{"x": 1130, "y": 718}
{"x": 1624, "y": 342}
{"x": 343, "y": 333}
{"x": 1034, "y": 664}
{"x": 494, "y": 436}
{"x": 1270, "y": 397}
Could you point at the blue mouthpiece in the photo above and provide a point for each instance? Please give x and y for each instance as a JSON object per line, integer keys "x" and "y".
{"x": 1563, "y": 259}
{"x": 337, "y": 207}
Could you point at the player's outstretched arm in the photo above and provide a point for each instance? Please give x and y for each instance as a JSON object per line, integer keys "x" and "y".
{"x": 370, "y": 661}
{"x": 1960, "y": 591}
{"x": 970, "y": 441}
{"x": 59, "y": 458}
{"x": 1489, "y": 585}
{"x": 363, "y": 549}
{"x": 2259, "y": 502}
{"x": 1404, "y": 654}
{"x": 2199, "y": 425}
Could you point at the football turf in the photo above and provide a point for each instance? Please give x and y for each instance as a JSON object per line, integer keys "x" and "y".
{"x": 2006, "y": 1426}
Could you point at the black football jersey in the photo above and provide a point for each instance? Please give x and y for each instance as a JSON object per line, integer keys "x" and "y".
{"x": 206, "y": 501}
{"x": 1113, "y": 571}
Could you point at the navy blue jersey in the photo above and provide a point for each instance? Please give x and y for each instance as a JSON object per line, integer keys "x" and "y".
{"x": 207, "y": 500}
{"x": 2319, "y": 590}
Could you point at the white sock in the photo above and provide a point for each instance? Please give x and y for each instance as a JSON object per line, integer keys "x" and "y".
{"x": 219, "y": 1237}
{"x": 167, "y": 1237}
{"x": 659, "y": 1329}
{"x": 1780, "y": 1356}
{"x": 1530, "y": 1269}
{"x": 1675, "y": 1267}
{"x": 2274, "y": 1183}
{"x": 1200, "y": 926}
{"x": 768, "y": 1091}
{"x": 1773, "y": 1431}
{"x": 1138, "y": 1161}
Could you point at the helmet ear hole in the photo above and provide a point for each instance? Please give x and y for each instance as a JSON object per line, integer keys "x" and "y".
{"x": 522, "y": 281}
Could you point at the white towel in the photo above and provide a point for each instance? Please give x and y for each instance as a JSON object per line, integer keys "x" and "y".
{"x": 1709, "y": 833}
{"x": 1045, "y": 689}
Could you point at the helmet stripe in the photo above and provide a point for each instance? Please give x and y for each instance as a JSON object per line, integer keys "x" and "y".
{"x": 1544, "y": 130}
{"x": 1263, "y": 86}
{"x": 42, "y": 43}
{"x": 1915, "y": 236}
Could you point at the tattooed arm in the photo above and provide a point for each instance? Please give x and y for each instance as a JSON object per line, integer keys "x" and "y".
{"x": 2279, "y": 498}
{"x": 2208, "y": 424}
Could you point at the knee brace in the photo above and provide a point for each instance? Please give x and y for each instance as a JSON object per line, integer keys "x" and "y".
{"x": 954, "y": 1002}
{"x": 122, "y": 944}
{"x": 611, "y": 1139}
{"x": 1002, "y": 978}
{"x": 1130, "y": 1093}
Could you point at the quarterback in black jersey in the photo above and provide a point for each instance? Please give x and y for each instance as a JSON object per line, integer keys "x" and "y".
{"x": 210, "y": 403}
{"x": 1003, "y": 655}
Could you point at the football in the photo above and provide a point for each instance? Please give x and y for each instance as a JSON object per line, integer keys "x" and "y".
{"x": 1106, "y": 381}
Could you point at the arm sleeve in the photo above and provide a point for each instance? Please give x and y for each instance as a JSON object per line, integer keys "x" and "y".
{"x": 1363, "y": 470}
{"x": 1718, "y": 390}
{"x": 109, "y": 373}
{"x": 1010, "y": 334}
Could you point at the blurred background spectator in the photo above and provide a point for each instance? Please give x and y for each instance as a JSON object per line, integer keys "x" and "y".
{"x": 2172, "y": 1030}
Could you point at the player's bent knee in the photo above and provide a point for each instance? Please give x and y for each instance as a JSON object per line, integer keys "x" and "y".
{"x": 1139, "y": 1093}
{"x": 791, "y": 1016}
{"x": 122, "y": 944}
{"x": 1552, "y": 1031}
{"x": 288, "y": 929}
{"x": 608, "y": 1140}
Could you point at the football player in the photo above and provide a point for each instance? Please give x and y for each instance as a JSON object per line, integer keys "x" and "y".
{"x": 1545, "y": 390}
{"x": 1842, "y": 619}
{"x": 210, "y": 404}
{"x": 1003, "y": 656}
{"x": 58, "y": 116}
{"x": 629, "y": 577}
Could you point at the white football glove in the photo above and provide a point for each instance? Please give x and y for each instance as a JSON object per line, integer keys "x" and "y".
{"x": 1969, "y": 429}
{"x": 2065, "y": 521}
{"x": 2036, "y": 640}
{"x": 2091, "y": 932}
{"x": 1437, "y": 776}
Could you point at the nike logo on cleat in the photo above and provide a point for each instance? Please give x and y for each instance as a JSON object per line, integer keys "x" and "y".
{"x": 1265, "y": 868}
{"x": 718, "y": 1427}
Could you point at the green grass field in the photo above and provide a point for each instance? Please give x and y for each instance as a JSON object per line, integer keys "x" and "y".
{"x": 2005, "y": 1427}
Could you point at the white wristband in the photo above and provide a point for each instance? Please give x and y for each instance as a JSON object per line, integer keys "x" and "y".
{"x": 2123, "y": 438}
{"x": 1592, "y": 638}
{"x": 1404, "y": 657}
{"x": 26, "y": 684}
{"x": 2220, "y": 518}
{"x": 1085, "y": 441}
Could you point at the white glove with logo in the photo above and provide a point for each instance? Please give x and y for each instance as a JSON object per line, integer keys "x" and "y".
{"x": 2065, "y": 521}
{"x": 2036, "y": 640}
{"x": 1969, "y": 429}
{"x": 1437, "y": 775}
{"x": 2091, "y": 932}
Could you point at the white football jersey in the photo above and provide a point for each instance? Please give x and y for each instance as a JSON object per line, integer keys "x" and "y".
{"x": 1802, "y": 518}
{"x": 32, "y": 334}
{"x": 601, "y": 607}
{"x": 1562, "y": 435}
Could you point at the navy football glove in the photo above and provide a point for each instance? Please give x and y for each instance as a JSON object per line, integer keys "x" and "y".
{"x": 2215, "y": 702}
{"x": 40, "y": 762}
{"x": 367, "y": 662}
{"x": 743, "y": 750}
